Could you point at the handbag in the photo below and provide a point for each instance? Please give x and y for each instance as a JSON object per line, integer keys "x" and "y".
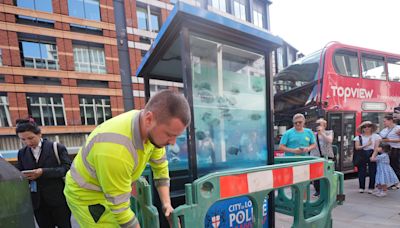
{"x": 357, "y": 153}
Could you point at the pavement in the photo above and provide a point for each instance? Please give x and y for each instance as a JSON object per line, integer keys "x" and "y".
{"x": 360, "y": 210}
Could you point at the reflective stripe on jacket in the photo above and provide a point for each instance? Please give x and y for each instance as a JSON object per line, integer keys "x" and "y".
{"x": 112, "y": 158}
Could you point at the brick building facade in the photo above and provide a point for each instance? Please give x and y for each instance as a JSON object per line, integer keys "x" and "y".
{"x": 59, "y": 60}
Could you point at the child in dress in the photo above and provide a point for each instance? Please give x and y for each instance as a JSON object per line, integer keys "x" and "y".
{"x": 385, "y": 176}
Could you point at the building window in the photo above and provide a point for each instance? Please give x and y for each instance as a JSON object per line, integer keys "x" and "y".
{"x": 143, "y": 14}
{"x": 94, "y": 110}
{"x": 258, "y": 14}
{"x": 40, "y": 5}
{"x": 39, "y": 55}
{"x": 89, "y": 59}
{"x": 239, "y": 9}
{"x": 5, "y": 120}
{"x": 86, "y": 9}
{"x": 218, "y": 4}
{"x": 47, "y": 110}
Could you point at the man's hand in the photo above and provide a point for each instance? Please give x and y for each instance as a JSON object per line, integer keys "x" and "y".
{"x": 34, "y": 175}
{"x": 168, "y": 209}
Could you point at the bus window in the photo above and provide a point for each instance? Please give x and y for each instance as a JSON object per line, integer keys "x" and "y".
{"x": 373, "y": 67}
{"x": 300, "y": 73}
{"x": 346, "y": 63}
{"x": 394, "y": 69}
{"x": 374, "y": 117}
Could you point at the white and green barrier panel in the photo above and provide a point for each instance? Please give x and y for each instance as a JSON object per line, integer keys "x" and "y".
{"x": 239, "y": 198}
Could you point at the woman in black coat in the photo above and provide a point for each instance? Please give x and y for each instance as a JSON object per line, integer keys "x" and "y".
{"x": 40, "y": 165}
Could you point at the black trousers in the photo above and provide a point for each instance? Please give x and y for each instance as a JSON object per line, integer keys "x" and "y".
{"x": 362, "y": 169}
{"x": 49, "y": 217}
{"x": 395, "y": 160}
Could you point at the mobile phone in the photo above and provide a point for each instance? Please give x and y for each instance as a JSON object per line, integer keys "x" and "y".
{"x": 27, "y": 171}
{"x": 397, "y": 109}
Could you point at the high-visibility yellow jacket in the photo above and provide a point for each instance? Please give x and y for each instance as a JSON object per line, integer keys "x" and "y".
{"x": 113, "y": 157}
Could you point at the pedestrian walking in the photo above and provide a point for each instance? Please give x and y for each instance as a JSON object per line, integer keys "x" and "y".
{"x": 98, "y": 186}
{"x": 365, "y": 144}
{"x": 44, "y": 164}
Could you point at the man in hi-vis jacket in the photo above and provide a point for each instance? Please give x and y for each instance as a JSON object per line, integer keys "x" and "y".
{"x": 98, "y": 185}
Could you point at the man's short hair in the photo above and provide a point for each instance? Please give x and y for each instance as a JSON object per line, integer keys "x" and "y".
{"x": 388, "y": 116}
{"x": 168, "y": 104}
{"x": 298, "y": 116}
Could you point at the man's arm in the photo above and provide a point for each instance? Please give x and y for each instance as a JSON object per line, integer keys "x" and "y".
{"x": 163, "y": 192}
{"x": 287, "y": 149}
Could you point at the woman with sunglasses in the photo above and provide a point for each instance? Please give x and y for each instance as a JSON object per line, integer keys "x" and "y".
{"x": 365, "y": 144}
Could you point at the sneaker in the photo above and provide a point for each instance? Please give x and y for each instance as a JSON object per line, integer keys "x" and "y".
{"x": 361, "y": 190}
{"x": 381, "y": 194}
{"x": 370, "y": 191}
{"x": 376, "y": 191}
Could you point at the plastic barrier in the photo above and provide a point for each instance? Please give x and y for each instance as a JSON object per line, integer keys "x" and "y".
{"x": 15, "y": 198}
{"x": 142, "y": 205}
{"x": 255, "y": 184}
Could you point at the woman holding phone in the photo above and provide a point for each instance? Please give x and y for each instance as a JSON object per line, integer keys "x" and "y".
{"x": 39, "y": 163}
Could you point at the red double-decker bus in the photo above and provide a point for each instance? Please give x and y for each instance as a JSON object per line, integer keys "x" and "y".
{"x": 344, "y": 84}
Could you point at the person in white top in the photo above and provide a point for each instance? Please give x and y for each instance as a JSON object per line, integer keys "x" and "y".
{"x": 390, "y": 136}
{"x": 324, "y": 139}
{"x": 366, "y": 146}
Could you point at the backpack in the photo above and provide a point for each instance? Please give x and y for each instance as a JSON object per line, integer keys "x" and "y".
{"x": 55, "y": 149}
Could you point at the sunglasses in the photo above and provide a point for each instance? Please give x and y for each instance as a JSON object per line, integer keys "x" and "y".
{"x": 298, "y": 122}
{"x": 367, "y": 126}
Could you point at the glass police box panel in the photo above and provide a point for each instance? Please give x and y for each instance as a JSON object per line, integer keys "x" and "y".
{"x": 229, "y": 102}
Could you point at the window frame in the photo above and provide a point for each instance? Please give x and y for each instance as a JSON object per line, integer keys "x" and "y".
{"x": 5, "y": 107}
{"x": 80, "y": 50}
{"x": 84, "y": 16}
{"x": 52, "y": 107}
{"x": 259, "y": 8}
{"x": 368, "y": 56}
{"x": 95, "y": 106}
{"x": 347, "y": 61}
{"x": 246, "y": 9}
{"x": 389, "y": 63}
{"x": 34, "y": 60}
{"x": 149, "y": 12}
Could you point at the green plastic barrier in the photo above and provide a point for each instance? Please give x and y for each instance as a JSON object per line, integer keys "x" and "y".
{"x": 256, "y": 183}
{"x": 142, "y": 205}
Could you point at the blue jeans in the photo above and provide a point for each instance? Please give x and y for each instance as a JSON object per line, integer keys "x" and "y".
{"x": 362, "y": 169}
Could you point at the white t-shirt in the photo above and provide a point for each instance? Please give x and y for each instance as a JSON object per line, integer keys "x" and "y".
{"x": 391, "y": 133}
{"x": 374, "y": 137}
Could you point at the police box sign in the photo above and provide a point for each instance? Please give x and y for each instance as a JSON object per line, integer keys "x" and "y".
{"x": 235, "y": 213}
